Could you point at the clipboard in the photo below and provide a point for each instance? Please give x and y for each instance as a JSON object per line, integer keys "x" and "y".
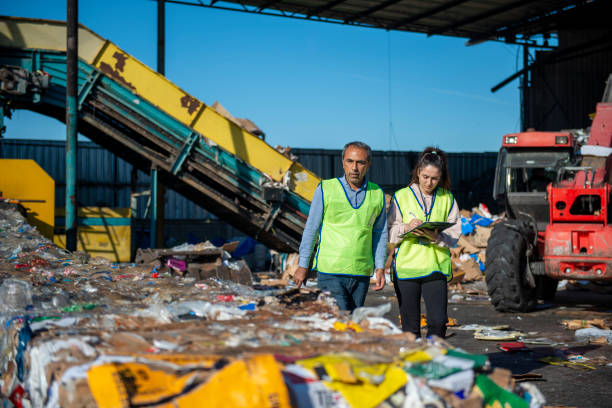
{"x": 430, "y": 225}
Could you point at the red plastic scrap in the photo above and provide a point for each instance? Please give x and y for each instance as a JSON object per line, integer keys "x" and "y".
{"x": 225, "y": 298}
{"x": 22, "y": 265}
{"x": 17, "y": 396}
{"x": 513, "y": 346}
{"x": 40, "y": 262}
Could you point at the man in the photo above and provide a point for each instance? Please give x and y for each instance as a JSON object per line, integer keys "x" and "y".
{"x": 348, "y": 216}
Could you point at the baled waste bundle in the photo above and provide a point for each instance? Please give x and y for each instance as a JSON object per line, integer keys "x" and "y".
{"x": 79, "y": 332}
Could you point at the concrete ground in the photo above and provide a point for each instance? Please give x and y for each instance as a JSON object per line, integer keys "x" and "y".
{"x": 562, "y": 386}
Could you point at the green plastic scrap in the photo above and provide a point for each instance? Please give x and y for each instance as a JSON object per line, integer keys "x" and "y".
{"x": 80, "y": 308}
{"x": 293, "y": 339}
{"x": 41, "y": 318}
{"x": 495, "y": 396}
{"x": 431, "y": 370}
{"x": 480, "y": 360}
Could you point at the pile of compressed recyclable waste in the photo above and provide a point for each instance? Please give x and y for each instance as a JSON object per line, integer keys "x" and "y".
{"x": 79, "y": 332}
{"x": 469, "y": 256}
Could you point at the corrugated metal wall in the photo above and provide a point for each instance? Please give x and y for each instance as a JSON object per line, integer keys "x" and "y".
{"x": 563, "y": 94}
{"x": 471, "y": 173}
{"x": 104, "y": 179}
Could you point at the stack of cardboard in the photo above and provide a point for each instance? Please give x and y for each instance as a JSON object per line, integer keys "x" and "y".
{"x": 470, "y": 254}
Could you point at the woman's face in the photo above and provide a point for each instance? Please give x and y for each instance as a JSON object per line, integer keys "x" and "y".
{"x": 429, "y": 177}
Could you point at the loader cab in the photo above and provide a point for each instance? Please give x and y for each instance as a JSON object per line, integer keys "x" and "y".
{"x": 526, "y": 164}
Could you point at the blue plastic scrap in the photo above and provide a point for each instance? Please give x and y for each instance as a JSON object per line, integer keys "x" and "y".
{"x": 481, "y": 265}
{"x": 480, "y": 221}
{"x": 25, "y": 336}
{"x": 466, "y": 227}
{"x": 248, "y": 306}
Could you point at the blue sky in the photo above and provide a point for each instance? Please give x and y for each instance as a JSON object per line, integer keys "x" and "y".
{"x": 310, "y": 84}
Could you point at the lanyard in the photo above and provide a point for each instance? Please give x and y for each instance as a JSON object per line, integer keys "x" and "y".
{"x": 427, "y": 214}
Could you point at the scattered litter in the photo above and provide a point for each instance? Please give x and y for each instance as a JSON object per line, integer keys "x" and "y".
{"x": 581, "y": 324}
{"x": 594, "y": 335}
{"x": 185, "y": 325}
{"x": 479, "y": 327}
{"x": 559, "y": 361}
{"x": 496, "y": 335}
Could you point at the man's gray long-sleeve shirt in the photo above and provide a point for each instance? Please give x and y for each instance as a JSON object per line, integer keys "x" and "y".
{"x": 315, "y": 217}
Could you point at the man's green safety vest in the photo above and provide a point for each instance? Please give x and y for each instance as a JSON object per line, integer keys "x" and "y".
{"x": 416, "y": 257}
{"x": 345, "y": 237}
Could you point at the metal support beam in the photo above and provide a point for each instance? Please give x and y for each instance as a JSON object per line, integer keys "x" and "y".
{"x": 154, "y": 206}
{"x": 2, "y": 128}
{"x": 72, "y": 17}
{"x": 158, "y": 191}
{"x": 161, "y": 37}
{"x": 87, "y": 86}
{"x": 481, "y": 16}
{"x": 524, "y": 86}
{"x": 184, "y": 153}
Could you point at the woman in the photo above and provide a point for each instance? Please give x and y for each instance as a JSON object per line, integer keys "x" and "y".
{"x": 422, "y": 263}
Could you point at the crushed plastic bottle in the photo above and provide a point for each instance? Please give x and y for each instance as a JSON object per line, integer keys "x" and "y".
{"x": 15, "y": 294}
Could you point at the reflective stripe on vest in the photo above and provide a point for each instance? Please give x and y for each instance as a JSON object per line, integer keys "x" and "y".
{"x": 345, "y": 238}
{"x": 417, "y": 258}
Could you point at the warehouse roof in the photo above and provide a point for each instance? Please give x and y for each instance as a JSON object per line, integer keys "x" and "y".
{"x": 512, "y": 21}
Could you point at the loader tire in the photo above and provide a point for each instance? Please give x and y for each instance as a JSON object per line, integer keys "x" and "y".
{"x": 506, "y": 268}
{"x": 546, "y": 287}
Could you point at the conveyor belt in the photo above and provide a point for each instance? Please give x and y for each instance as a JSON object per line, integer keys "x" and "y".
{"x": 138, "y": 114}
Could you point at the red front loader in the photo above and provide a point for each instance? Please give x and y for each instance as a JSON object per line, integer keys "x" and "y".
{"x": 555, "y": 187}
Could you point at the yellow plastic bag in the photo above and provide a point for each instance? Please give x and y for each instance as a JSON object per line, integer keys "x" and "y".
{"x": 361, "y": 384}
{"x": 254, "y": 382}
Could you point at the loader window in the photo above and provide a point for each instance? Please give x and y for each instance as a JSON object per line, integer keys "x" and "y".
{"x": 586, "y": 205}
{"x": 530, "y": 179}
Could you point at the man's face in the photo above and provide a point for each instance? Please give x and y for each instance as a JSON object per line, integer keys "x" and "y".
{"x": 355, "y": 165}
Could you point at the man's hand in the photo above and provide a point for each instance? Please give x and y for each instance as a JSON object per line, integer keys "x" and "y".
{"x": 299, "y": 277}
{"x": 380, "y": 279}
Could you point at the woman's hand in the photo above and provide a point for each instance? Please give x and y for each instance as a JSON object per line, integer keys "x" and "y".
{"x": 430, "y": 235}
{"x": 415, "y": 222}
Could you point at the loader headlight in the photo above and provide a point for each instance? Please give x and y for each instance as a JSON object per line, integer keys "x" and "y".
{"x": 511, "y": 139}
{"x": 561, "y": 139}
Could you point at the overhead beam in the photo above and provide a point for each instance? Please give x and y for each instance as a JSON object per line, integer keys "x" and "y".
{"x": 267, "y": 4}
{"x": 425, "y": 14}
{"x": 325, "y": 7}
{"x": 481, "y": 16}
{"x": 371, "y": 10}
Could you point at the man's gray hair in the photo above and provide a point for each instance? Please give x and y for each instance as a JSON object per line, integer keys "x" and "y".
{"x": 360, "y": 145}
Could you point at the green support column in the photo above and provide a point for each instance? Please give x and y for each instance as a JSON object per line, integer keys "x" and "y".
{"x": 154, "y": 206}
{"x": 71, "y": 122}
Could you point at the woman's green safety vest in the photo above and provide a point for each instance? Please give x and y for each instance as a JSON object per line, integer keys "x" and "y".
{"x": 418, "y": 258}
{"x": 345, "y": 237}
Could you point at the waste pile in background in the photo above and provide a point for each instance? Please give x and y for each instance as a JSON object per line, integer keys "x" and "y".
{"x": 469, "y": 256}
{"x": 79, "y": 331}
